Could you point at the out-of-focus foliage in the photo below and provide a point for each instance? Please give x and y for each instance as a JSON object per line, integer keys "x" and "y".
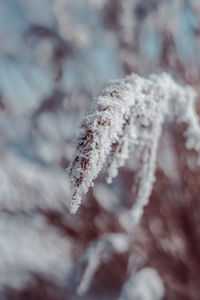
{"x": 54, "y": 55}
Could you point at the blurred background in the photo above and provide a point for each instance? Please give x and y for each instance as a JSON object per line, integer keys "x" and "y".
{"x": 54, "y": 55}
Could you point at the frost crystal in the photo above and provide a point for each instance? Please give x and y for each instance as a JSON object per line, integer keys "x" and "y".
{"x": 127, "y": 117}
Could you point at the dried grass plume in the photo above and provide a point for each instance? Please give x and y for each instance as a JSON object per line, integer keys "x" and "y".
{"x": 127, "y": 117}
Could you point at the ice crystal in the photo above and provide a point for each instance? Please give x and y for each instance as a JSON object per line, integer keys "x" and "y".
{"x": 127, "y": 117}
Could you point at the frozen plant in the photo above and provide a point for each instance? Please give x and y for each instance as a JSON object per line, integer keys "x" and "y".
{"x": 127, "y": 117}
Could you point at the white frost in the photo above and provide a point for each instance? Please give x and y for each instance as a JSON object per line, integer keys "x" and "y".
{"x": 127, "y": 117}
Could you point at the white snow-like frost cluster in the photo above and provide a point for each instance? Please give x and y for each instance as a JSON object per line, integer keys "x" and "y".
{"x": 127, "y": 117}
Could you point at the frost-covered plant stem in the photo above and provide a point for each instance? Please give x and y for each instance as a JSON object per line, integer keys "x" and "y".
{"x": 147, "y": 171}
{"x": 127, "y": 117}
